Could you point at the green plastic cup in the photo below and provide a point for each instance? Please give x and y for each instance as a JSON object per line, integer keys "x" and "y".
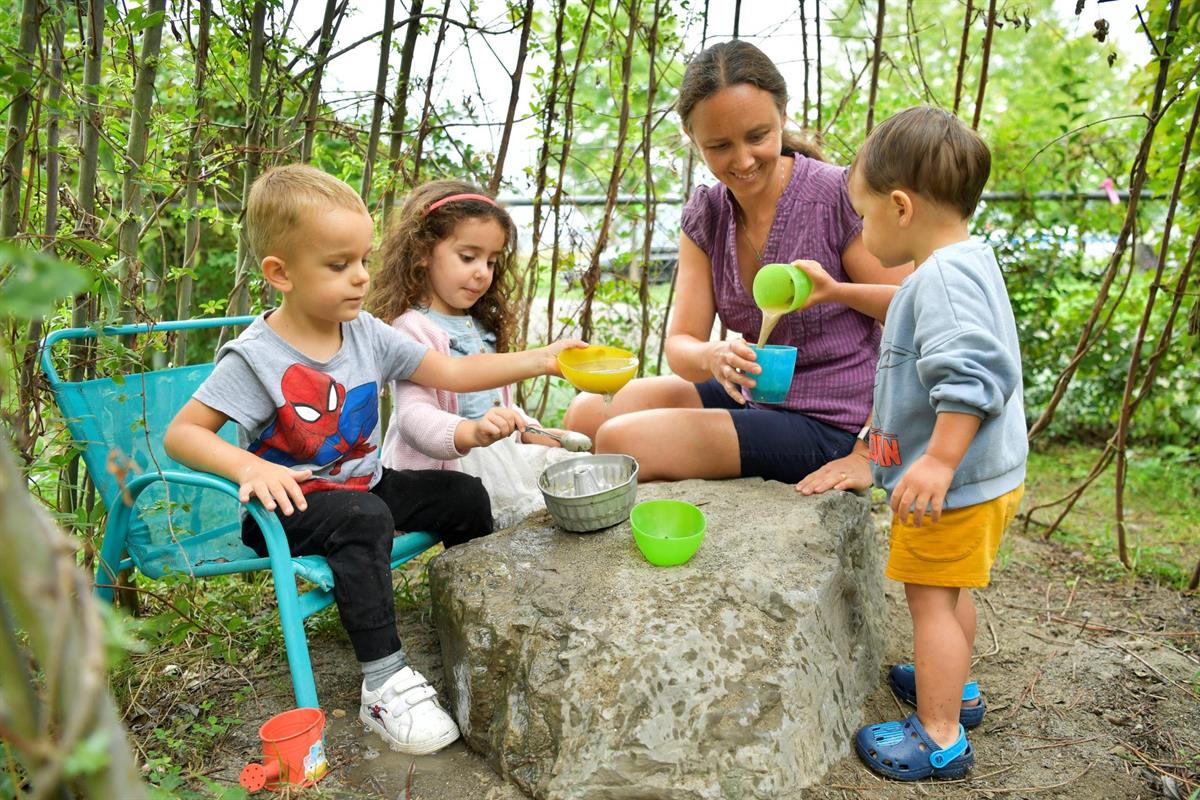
{"x": 668, "y": 532}
{"x": 781, "y": 288}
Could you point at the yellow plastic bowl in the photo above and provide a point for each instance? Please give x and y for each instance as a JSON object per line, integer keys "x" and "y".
{"x": 597, "y": 368}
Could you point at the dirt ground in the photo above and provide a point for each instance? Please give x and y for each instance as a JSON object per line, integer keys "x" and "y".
{"x": 1093, "y": 691}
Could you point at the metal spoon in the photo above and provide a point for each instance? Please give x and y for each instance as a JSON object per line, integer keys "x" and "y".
{"x": 571, "y": 441}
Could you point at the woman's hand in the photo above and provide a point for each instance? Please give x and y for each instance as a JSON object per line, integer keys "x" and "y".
{"x": 732, "y": 364}
{"x": 824, "y": 288}
{"x": 849, "y": 473}
{"x": 550, "y": 353}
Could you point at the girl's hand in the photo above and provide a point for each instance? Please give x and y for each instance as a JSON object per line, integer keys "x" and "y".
{"x": 552, "y": 350}
{"x": 498, "y": 423}
{"x": 732, "y": 364}
{"x": 824, "y": 288}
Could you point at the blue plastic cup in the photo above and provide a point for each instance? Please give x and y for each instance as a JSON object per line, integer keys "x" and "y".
{"x": 778, "y": 362}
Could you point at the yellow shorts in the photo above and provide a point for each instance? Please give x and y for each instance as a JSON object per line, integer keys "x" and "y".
{"x": 957, "y": 550}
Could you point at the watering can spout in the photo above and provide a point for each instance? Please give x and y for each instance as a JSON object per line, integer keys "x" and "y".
{"x": 256, "y": 776}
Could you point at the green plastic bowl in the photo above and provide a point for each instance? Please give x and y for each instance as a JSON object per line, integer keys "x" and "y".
{"x": 668, "y": 532}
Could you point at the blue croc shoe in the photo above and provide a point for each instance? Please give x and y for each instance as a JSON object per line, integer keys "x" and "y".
{"x": 903, "y": 680}
{"x": 903, "y": 751}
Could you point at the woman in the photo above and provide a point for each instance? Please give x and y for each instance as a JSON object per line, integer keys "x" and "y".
{"x": 776, "y": 202}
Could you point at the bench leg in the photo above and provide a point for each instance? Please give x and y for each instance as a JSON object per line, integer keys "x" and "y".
{"x": 112, "y": 549}
{"x": 294, "y": 639}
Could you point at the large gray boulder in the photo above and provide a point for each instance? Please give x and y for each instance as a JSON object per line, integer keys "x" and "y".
{"x": 581, "y": 671}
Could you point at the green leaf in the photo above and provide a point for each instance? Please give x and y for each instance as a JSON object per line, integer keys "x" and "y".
{"x": 97, "y": 251}
{"x": 89, "y": 756}
{"x": 34, "y": 280}
{"x": 145, "y": 22}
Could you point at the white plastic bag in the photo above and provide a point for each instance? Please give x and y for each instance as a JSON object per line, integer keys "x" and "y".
{"x": 510, "y": 470}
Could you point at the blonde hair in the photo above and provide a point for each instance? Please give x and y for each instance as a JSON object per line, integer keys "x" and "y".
{"x": 282, "y": 196}
{"x": 402, "y": 279}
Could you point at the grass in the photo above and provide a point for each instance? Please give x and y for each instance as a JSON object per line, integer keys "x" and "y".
{"x": 1162, "y": 515}
{"x": 182, "y": 720}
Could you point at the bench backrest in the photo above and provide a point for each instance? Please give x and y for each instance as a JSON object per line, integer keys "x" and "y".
{"x": 118, "y": 421}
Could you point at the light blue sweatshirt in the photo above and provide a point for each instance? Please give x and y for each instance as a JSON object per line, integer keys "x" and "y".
{"x": 950, "y": 344}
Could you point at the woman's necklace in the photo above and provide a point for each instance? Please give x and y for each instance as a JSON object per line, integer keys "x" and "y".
{"x": 745, "y": 228}
{"x": 758, "y": 258}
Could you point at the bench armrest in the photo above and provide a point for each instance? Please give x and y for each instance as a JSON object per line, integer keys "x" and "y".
{"x": 268, "y": 523}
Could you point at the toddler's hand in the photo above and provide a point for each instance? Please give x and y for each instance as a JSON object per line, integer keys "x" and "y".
{"x": 273, "y": 484}
{"x": 552, "y": 350}
{"x": 823, "y": 284}
{"x": 496, "y": 424}
{"x": 922, "y": 487}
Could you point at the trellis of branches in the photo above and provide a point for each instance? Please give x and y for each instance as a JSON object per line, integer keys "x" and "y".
{"x": 134, "y": 135}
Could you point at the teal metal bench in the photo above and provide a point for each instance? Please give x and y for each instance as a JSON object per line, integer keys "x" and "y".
{"x": 164, "y": 518}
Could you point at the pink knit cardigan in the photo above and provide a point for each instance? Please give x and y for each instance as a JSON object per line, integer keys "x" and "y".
{"x": 420, "y": 434}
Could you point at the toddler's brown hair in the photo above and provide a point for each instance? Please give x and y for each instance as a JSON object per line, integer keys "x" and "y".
{"x": 928, "y": 151}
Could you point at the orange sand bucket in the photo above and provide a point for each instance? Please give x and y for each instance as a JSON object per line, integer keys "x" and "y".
{"x": 293, "y": 751}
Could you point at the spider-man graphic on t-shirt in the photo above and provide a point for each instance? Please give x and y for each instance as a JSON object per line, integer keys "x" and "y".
{"x": 320, "y": 425}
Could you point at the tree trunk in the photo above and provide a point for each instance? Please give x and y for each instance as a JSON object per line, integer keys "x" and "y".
{"x": 314, "y": 89}
{"x": 1128, "y": 404}
{"x": 18, "y": 122}
{"x": 400, "y": 106}
{"x": 385, "y": 50}
{"x": 549, "y": 113}
{"x": 91, "y": 122}
{"x": 191, "y": 236}
{"x": 27, "y": 398}
{"x": 804, "y": 58}
{"x": 422, "y": 128}
{"x": 876, "y": 58}
{"x": 983, "y": 68}
{"x": 556, "y": 202}
{"x": 51, "y": 619}
{"x": 239, "y": 300}
{"x": 651, "y": 193}
{"x": 514, "y": 95}
{"x": 135, "y": 157}
{"x": 592, "y": 277}
{"x": 1137, "y": 179}
{"x": 962, "y": 54}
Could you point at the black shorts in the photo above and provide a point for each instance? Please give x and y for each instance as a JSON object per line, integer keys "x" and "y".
{"x": 775, "y": 443}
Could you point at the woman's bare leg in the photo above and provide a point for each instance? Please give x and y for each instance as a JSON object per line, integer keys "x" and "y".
{"x": 588, "y": 412}
{"x": 675, "y": 443}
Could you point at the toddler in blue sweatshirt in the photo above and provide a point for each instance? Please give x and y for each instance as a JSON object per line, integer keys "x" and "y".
{"x": 947, "y": 436}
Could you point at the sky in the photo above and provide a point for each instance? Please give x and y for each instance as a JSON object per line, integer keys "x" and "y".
{"x": 773, "y": 26}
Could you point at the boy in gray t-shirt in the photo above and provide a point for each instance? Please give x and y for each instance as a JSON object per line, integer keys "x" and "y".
{"x": 302, "y": 383}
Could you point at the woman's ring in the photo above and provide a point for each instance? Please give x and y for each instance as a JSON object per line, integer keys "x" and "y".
{"x": 843, "y": 476}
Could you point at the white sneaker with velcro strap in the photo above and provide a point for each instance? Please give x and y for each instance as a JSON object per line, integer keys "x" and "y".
{"x": 406, "y": 713}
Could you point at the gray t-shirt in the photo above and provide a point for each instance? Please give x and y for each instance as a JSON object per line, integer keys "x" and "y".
{"x": 307, "y": 414}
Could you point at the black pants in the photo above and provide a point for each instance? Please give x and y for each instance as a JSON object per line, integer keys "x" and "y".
{"x": 353, "y": 531}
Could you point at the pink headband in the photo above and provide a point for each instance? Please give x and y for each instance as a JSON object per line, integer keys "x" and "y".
{"x": 438, "y": 204}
